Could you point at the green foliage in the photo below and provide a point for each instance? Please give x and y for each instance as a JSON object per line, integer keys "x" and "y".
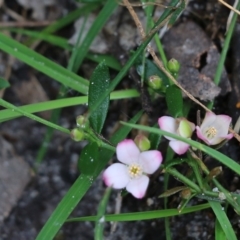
{"x": 96, "y": 154}
{"x": 80, "y": 187}
{"x": 88, "y": 161}
{"x": 42, "y": 64}
{"x": 99, "y": 84}
{"x": 99, "y": 224}
{"x": 147, "y": 215}
{"x": 4, "y": 83}
{"x": 174, "y": 101}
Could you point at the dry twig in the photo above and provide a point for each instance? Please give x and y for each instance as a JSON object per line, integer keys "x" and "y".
{"x": 229, "y": 6}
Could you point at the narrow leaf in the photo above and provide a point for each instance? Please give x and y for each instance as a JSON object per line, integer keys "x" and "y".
{"x": 174, "y": 101}
{"x": 137, "y": 216}
{"x": 223, "y": 220}
{"x": 89, "y": 159}
{"x": 98, "y": 231}
{"x": 43, "y": 64}
{"x": 99, "y": 84}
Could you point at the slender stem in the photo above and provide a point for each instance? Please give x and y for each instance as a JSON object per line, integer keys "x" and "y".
{"x": 33, "y": 117}
{"x": 183, "y": 179}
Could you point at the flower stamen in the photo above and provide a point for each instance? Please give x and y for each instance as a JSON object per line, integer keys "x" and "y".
{"x": 134, "y": 170}
{"x": 211, "y": 132}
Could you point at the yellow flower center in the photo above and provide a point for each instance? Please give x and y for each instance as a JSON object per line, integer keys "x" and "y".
{"x": 211, "y": 132}
{"x": 135, "y": 170}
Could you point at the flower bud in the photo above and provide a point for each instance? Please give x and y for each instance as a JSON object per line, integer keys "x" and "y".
{"x": 142, "y": 142}
{"x": 82, "y": 121}
{"x": 155, "y": 82}
{"x": 77, "y": 134}
{"x": 173, "y": 66}
{"x": 185, "y": 129}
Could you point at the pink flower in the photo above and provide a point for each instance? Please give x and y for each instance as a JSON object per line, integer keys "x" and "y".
{"x": 214, "y": 128}
{"x": 132, "y": 174}
{"x": 178, "y": 126}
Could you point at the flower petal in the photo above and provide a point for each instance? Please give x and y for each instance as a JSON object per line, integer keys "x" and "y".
{"x": 127, "y": 151}
{"x": 150, "y": 161}
{"x": 200, "y": 135}
{"x": 208, "y": 120}
{"x": 168, "y": 124}
{"x": 116, "y": 176}
{"x": 219, "y": 139}
{"x": 222, "y": 123}
{"x": 138, "y": 187}
{"x": 178, "y": 146}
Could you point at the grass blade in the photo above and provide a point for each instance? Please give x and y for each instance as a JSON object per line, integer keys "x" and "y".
{"x": 223, "y": 220}
{"x": 43, "y": 64}
{"x": 156, "y": 214}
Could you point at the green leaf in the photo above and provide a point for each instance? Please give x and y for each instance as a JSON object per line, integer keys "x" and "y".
{"x": 8, "y": 114}
{"x": 154, "y": 139}
{"x": 176, "y": 13}
{"x": 79, "y": 188}
{"x": 33, "y": 117}
{"x": 98, "y": 24}
{"x": 99, "y": 224}
{"x": 223, "y": 220}
{"x": 88, "y": 160}
{"x": 174, "y": 101}
{"x": 219, "y": 233}
{"x": 4, "y": 83}
{"x": 137, "y": 216}
{"x": 152, "y": 69}
{"x": 99, "y": 84}
{"x": 43, "y": 64}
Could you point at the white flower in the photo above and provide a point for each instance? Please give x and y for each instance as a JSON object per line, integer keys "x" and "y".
{"x": 214, "y": 128}
{"x": 132, "y": 174}
{"x": 179, "y": 126}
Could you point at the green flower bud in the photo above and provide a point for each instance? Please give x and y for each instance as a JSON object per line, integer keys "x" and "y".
{"x": 185, "y": 129}
{"x": 82, "y": 121}
{"x": 142, "y": 142}
{"x": 173, "y": 66}
{"x": 155, "y": 82}
{"x": 77, "y": 134}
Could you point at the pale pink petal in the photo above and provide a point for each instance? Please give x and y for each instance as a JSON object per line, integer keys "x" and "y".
{"x": 116, "y": 176}
{"x": 179, "y": 147}
{"x": 138, "y": 187}
{"x": 168, "y": 124}
{"x": 229, "y": 136}
{"x": 208, "y": 120}
{"x": 150, "y": 161}
{"x": 222, "y": 123}
{"x": 218, "y": 139}
{"x": 127, "y": 151}
{"x": 201, "y": 136}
